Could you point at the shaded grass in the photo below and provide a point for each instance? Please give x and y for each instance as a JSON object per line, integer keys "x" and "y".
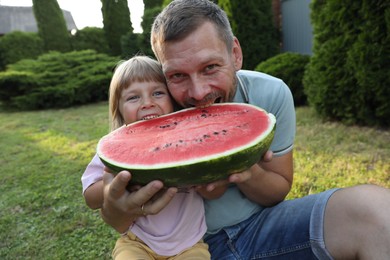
{"x": 43, "y": 154}
{"x": 43, "y": 215}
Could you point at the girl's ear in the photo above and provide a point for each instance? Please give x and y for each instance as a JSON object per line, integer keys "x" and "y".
{"x": 237, "y": 54}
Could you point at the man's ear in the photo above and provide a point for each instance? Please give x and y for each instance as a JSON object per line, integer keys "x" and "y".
{"x": 237, "y": 54}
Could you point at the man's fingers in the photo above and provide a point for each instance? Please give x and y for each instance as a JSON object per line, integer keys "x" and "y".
{"x": 240, "y": 177}
{"x": 268, "y": 156}
{"x": 213, "y": 185}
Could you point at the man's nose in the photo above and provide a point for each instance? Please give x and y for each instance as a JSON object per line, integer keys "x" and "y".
{"x": 198, "y": 89}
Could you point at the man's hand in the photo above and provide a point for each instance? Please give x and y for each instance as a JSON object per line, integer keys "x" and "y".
{"x": 213, "y": 190}
{"x": 247, "y": 175}
{"x": 221, "y": 185}
{"x": 121, "y": 207}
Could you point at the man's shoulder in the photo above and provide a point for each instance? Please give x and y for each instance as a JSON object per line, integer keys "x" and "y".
{"x": 260, "y": 84}
{"x": 251, "y": 75}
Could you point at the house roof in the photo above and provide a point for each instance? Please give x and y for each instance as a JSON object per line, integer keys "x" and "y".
{"x": 21, "y": 18}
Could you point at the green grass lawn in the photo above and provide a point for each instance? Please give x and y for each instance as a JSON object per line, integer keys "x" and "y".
{"x": 43, "y": 155}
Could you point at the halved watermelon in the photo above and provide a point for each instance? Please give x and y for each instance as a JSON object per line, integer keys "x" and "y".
{"x": 191, "y": 146}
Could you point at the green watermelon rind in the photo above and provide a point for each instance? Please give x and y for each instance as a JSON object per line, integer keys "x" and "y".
{"x": 206, "y": 171}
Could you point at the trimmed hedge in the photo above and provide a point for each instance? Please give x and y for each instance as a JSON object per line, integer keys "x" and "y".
{"x": 57, "y": 80}
{"x": 347, "y": 78}
{"x": 289, "y": 67}
{"x": 15, "y": 46}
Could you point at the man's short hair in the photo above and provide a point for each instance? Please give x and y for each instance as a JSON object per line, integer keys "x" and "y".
{"x": 182, "y": 17}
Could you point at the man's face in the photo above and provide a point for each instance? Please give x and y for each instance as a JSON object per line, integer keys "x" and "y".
{"x": 199, "y": 69}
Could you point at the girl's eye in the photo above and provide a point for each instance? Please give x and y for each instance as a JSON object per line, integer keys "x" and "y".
{"x": 158, "y": 93}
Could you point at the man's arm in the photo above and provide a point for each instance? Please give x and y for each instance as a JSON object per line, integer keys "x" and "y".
{"x": 267, "y": 182}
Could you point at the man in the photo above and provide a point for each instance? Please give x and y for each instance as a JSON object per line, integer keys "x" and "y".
{"x": 201, "y": 60}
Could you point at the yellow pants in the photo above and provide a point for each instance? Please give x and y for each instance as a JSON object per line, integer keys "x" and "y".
{"x": 130, "y": 247}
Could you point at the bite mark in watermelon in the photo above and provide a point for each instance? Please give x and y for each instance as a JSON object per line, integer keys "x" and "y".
{"x": 191, "y": 146}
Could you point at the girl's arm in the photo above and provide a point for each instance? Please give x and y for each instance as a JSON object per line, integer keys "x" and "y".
{"x": 93, "y": 195}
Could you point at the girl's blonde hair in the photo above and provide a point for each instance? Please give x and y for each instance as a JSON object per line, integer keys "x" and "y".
{"x": 136, "y": 69}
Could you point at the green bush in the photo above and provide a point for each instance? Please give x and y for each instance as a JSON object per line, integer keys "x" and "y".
{"x": 347, "y": 76}
{"x": 17, "y": 45}
{"x": 289, "y": 67}
{"x": 90, "y": 38}
{"x": 57, "y": 80}
{"x": 16, "y": 83}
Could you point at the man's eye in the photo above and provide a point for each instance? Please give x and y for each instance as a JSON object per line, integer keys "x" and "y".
{"x": 210, "y": 67}
{"x": 132, "y": 98}
{"x": 177, "y": 76}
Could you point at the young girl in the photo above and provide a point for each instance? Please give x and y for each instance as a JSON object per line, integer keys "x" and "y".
{"x": 138, "y": 91}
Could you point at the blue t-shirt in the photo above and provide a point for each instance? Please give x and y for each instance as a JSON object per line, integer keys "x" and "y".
{"x": 274, "y": 96}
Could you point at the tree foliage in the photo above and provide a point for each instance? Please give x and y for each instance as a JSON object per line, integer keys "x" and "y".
{"x": 252, "y": 24}
{"x": 51, "y": 25}
{"x": 166, "y": 2}
{"x": 147, "y": 21}
{"x": 347, "y": 77}
{"x": 148, "y": 4}
{"x": 116, "y": 22}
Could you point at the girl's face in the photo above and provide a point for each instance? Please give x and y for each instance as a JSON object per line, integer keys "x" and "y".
{"x": 144, "y": 100}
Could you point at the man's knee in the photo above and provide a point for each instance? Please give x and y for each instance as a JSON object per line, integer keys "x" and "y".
{"x": 356, "y": 221}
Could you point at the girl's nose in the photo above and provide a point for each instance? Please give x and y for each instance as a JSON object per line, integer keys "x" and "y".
{"x": 147, "y": 103}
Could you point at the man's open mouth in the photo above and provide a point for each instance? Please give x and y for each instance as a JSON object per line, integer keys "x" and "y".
{"x": 204, "y": 105}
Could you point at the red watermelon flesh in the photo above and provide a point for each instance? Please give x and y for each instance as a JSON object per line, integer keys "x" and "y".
{"x": 191, "y": 137}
